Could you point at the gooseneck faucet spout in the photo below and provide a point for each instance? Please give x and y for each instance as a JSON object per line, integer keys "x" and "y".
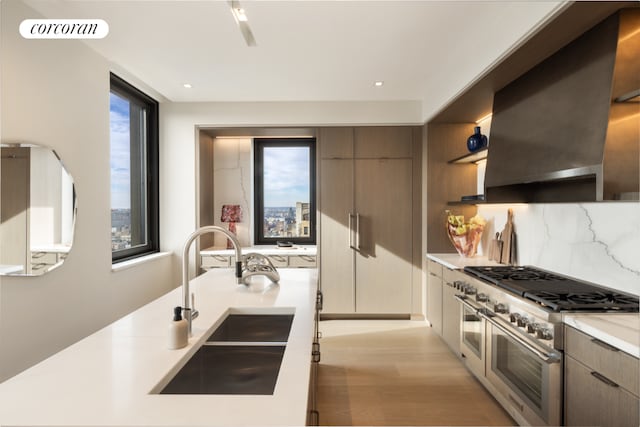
{"x": 189, "y": 313}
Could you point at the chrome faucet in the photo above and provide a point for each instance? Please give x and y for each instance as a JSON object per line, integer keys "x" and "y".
{"x": 256, "y": 264}
{"x": 189, "y": 313}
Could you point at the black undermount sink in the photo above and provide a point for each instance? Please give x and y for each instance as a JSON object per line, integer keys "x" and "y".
{"x": 254, "y": 328}
{"x": 242, "y": 356}
{"x": 229, "y": 369}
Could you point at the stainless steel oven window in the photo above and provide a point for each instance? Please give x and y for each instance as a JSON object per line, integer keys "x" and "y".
{"x": 472, "y": 330}
{"x": 526, "y": 374}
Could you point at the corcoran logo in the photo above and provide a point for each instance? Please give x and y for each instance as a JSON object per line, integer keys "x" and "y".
{"x": 64, "y": 29}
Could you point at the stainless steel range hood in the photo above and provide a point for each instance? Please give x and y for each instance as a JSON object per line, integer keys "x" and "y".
{"x": 558, "y": 135}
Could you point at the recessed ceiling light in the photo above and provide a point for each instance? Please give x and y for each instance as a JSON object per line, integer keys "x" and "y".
{"x": 378, "y": 83}
{"x": 187, "y": 85}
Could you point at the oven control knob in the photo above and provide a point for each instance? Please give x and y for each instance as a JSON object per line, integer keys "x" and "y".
{"x": 523, "y": 322}
{"x": 469, "y": 290}
{"x": 533, "y": 328}
{"x": 500, "y": 308}
{"x": 514, "y": 317}
{"x": 544, "y": 334}
{"x": 482, "y": 297}
{"x": 458, "y": 284}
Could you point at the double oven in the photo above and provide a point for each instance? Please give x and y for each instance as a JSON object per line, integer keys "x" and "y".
{"x": 512, "y": 341}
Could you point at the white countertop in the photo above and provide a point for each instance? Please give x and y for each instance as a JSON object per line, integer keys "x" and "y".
{"x": 621, "y": 330}
{"x": 264, "y": 250}
{"x": 11, "y": 269}
{"x": 106, "y": 378}
{"x": 456, "y": 262}
{"x": 52, "y": 247}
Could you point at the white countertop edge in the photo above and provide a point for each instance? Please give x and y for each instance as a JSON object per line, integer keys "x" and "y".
{"x": 620, "y": 330}
{"x": 308, "y": 250}
{"x": 137, "y": 261}
{"x": 454, "y": 261}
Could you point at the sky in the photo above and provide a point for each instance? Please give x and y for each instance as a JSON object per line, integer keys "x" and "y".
{"x": 286, "y": 176}
{"x": 120, "y": 164}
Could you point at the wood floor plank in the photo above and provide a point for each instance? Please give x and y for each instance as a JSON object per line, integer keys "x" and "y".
{"x": 397, "y": 372}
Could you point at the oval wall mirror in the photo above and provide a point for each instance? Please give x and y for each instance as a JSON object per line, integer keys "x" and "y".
{"x": 37, "y": 210}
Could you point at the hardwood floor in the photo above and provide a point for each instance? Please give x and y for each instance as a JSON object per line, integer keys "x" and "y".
{"x": 397, "y": 372}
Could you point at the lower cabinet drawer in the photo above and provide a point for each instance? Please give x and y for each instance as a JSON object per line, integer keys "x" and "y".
{"x": 213, "y": 261}
{"x": 616, "y": 365}
{"x": 47, "y": 258}
{"x": 302, "y": 261}
{"x": 594, "y": 400}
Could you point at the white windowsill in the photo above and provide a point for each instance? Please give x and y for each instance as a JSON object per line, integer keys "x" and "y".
{"x": 137, "y": 261}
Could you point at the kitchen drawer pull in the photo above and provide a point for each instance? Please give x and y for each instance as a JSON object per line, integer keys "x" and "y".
{"x": 221, "y": 258}
{"x": 604, "y": 345}
{"x": 307, "y": 258}
{"x": 604, "y": 379}
{"x": 278, "y": 258}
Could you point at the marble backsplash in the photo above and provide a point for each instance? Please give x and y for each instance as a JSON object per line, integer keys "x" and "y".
{"x": 596, "y": 242}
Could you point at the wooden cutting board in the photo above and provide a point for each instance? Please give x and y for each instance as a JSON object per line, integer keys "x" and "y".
{"x": 508, "y": 241}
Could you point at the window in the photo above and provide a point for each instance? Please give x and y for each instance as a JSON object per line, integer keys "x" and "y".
{"x": 134, "y": 171}
{"x": 285, "y": 206}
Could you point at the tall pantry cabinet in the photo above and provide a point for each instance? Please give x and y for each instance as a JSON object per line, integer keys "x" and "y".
{"x": 366, "y": 210}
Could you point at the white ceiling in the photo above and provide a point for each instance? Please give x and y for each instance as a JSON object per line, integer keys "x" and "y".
{"x": 307, "y": 50}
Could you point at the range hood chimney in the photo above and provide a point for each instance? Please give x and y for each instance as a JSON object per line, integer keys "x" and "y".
{"x": 568, "y": 130}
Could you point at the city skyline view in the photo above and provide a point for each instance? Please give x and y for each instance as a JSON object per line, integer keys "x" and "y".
{"x": 120, "y": 152}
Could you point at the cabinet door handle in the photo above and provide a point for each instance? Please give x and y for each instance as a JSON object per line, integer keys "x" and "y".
{"x": 351, "y": 231}
{"x": 357, "y": 231}
{"x": 604, "y": 379}
{"x": 604, "y": 345}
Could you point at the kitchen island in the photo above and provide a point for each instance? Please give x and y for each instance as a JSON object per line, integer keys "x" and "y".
{"x": 109, "y": 378}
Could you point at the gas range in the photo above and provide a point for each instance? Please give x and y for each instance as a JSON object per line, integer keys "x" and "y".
{"x": 512, "y": 333}
{"x": 532, "y": 301}
{"x": 553, "y": 291}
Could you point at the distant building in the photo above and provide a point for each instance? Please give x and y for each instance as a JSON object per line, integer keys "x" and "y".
{"x": 302, "y": 219}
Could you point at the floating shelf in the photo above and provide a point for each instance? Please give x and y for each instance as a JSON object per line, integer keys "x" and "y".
{"x": 481, "y": 154}
{"x": 466, "y": 202}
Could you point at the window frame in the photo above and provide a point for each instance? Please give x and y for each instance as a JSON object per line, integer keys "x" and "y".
{"x": 130, "y": 92}
{"x": 258, "y": 216}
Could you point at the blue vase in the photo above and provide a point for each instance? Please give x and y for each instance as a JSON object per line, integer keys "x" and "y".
{"x": 477, "y": 140}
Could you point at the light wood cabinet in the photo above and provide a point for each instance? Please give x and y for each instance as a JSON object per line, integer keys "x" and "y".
{"x": 601, "y": 383}
{"x": 366, "y": 220}
{"x": 451, "y": 310}
{"x": 434, "y": 296}
{"x": 337, "y": 266}
{"x": 336, "y": 143}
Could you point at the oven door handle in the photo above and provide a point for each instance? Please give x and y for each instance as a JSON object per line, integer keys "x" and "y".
{"x": 545, "y": 356}
{"x": 465, "y": 301}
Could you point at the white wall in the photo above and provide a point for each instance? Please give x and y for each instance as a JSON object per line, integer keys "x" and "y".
{"x": 56, "y": 93}
{"x": 233, "y": 184}
{"x": 596, "y": 242}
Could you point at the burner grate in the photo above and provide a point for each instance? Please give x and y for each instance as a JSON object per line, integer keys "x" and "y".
{"x": 555, "y": 292}
{"x": 584, "y": 301}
